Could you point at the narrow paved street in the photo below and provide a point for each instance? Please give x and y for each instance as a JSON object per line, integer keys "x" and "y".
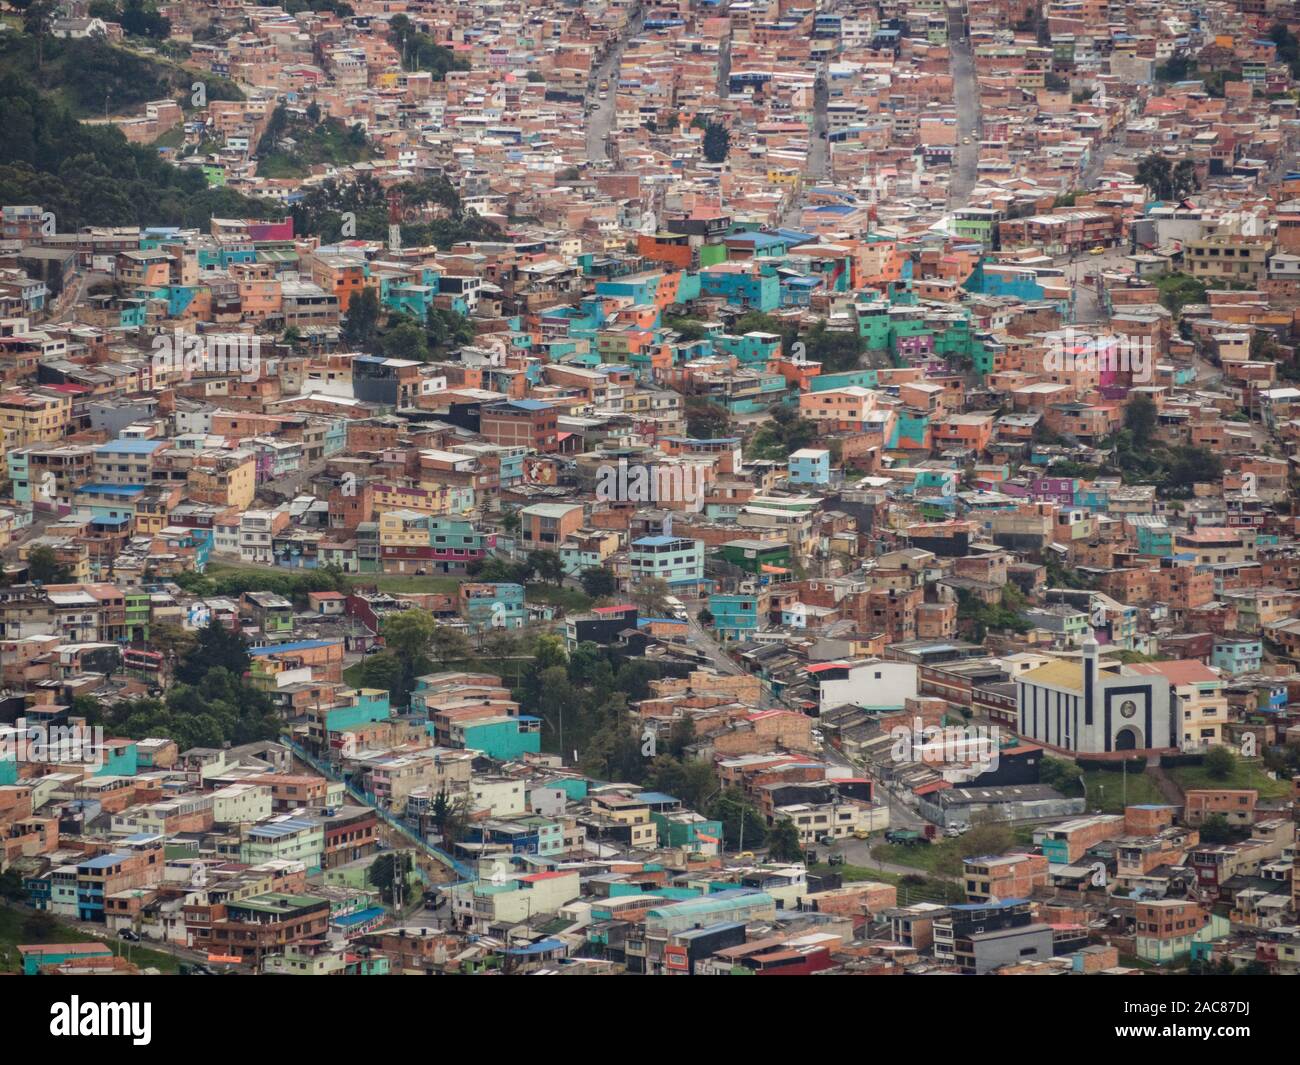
{"x": 703, "y": 640}
{"x": 601, "y": 120}
{"x": 966, "y": 98}
{"x": 818, "y": 153}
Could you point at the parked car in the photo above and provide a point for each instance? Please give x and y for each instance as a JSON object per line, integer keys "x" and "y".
{"x": 835, "y": 859}
{"x": 129, "y": 936}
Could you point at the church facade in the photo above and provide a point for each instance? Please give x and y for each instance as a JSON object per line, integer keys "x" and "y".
{"x": 1082, "y": 708}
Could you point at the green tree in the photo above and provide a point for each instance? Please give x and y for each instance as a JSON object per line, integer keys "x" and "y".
{"x": 706, "y": 420}
{"x": 40, "y": 927}
{"x": 409, "y": 637}
{"x": 1215, "y": 829}
{"x": 215, "y": 647}
{"x": 1175, "y": 68}
{"x": 785, "y": 432}
{"x": 1194, "y": 465}
{"x": 405, "y": 340}
{"x": 598, "y": 582}
{"x": 634, "y": 676}
{"x": 43, "y": 566}
{"x": 446, "y": 329}
{"x": 450, "y": 647}
{"x": 451, "y": 816}
{"x": 1179, "y": 290}
{"x": 499, "y": 646}
{"x": 11, "y": 886}
{"x": 1183, "y": 181}
{"x": 681, "y": 735}
{"x": 547, "y": 565}
{"x": 651, "y": 597}
{"x": 1166, "y": 180}
{"x": 1140, "y": 418}
{"x": 614, "y": 751}
{"x": 139, "y": 21}
{"x": 555, "y": 697}
{"x": 387, "y": 870}
{"x": 688, "y": 329}
{"x": 1220, "y": 763}
{"x": 386, "y": 672}
{"x": 783, "y": 845}
{"x": 733, "y": 810}
{"x": 409, "y": 633}
{"x": 37, "y": 20}
{"x": 836, "y": 349}
{"x": 361, "y": 323}
{"x": 421, "y": 52}
{"x": 717, "y": 142}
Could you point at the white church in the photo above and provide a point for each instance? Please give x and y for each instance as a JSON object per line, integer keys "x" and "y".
{"x": 1080, "y": 706}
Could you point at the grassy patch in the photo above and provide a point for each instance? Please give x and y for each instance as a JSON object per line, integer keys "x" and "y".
{"x": 1245, "y": 774}
{"x": 922, "y": 856}
{"x": 12, "y": 934}
{"x": 385, "y": 582}
{"x": 304, "y": 146}
{"x": 1107, "y": 790}
{"x": 173, "y": 138}
{"x": 571, "y": 599}
{"x": 928, "y": 890}
{"x": 397, "y": 583}
{"x": 945, "y": 854}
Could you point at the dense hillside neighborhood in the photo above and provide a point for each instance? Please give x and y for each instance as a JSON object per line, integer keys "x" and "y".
{"x": 657, "y": 487}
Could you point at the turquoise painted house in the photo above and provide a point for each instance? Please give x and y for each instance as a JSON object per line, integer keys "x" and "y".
{"x": 735, "y": 616}
{"x": 121, "y": 759}
{"x": 1155, "y": 540}
{"x": 503, "y": 738}
{"x": 758, "y": 292}
{"x": 41, "y": 954}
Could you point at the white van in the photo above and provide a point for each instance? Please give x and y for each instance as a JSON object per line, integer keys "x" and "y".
{"x": 675, "y": 607}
